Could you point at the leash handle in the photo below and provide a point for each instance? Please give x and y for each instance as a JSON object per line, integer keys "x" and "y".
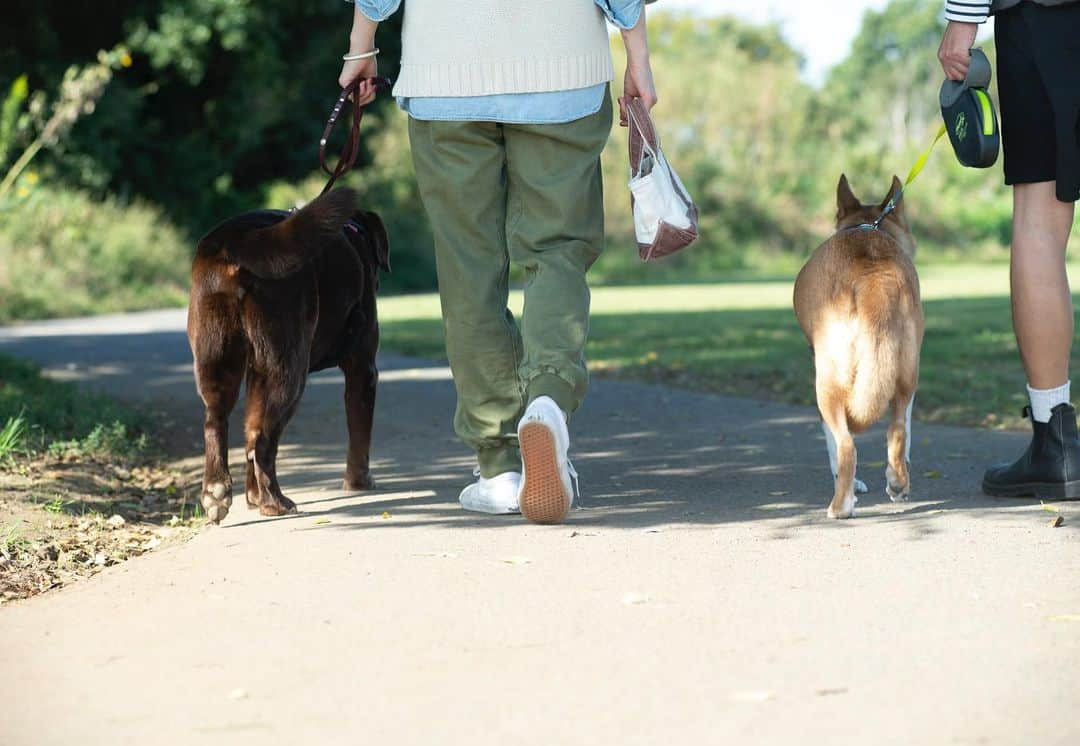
{"x": 351, "y": 150}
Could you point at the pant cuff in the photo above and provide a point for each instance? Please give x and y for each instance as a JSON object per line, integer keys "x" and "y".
{"x": 558, "y": 388}
{"x": 496, "y": 461}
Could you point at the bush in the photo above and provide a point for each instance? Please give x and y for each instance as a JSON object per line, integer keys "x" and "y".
{"x": 64, "y": 254}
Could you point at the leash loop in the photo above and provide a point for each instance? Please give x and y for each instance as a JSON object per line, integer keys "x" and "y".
{"x": 351, "y": 150}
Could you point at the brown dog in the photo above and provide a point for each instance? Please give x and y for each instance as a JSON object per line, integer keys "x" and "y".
{"x": 274, "y": 296}
{"x": 857, "y": 301}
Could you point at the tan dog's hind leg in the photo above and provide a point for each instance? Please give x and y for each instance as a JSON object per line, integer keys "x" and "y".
{"x": 897, "y": 475}
{"x": 835, "y": 418}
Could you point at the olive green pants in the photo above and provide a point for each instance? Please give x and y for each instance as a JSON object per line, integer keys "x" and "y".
{"x": 528, "y": 194}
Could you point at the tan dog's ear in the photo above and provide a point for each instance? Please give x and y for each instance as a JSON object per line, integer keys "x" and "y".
{"x": 846, "y": 201}
{"x": 896, "y": 188}
{"x": 380, "y": 242}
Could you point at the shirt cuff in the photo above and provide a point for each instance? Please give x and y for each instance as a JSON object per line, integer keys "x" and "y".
{"x": 623, "y": 13}
{"x": 967, "y": 11}
{"x": 377, "y": 10}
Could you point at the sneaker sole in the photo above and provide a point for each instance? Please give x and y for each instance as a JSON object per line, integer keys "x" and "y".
{"x": 543, "y": 496}
{"x": 1041, "y": 490}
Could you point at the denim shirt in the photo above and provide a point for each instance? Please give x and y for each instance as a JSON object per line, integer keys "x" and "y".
{"x": 549, "y": 107}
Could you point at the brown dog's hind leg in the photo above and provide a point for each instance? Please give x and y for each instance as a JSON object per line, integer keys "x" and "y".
{"x": 218, "y": 375}
{"x": 361, "y": 380}
{"x": 897, "y": 473}
{"x": 269, "y": 409}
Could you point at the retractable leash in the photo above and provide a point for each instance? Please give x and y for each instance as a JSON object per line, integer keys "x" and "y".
{"x": 970, "y": 121}
{"x": 351, "y": 150}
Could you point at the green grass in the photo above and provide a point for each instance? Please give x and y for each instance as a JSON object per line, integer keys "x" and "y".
{"x": 12, "y": 438}
{"x": 742, "y": 339}
{"x": 42, "y": 414}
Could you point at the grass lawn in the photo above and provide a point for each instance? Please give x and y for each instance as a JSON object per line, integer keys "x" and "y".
{"x": 742, "y": 339}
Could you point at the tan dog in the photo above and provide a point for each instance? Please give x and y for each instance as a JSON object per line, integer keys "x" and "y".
{"x": 857, "y": 301}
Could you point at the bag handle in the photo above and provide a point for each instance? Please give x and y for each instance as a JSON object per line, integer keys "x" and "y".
{"x": 643, "y": 136}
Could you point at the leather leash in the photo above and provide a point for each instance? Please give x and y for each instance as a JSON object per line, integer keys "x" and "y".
{"x": 351, "y": 150}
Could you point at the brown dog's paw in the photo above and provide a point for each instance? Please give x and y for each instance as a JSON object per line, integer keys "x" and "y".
{"x": 359, "y": 484}
{"x": 216, "y": 501}
{"x": 281, "y": 506}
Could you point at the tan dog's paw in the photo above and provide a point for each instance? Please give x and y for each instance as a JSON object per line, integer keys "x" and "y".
{"x": 896, "y": 487}
{"x": 844, "y": 508}
{"x": 216, "y": 501}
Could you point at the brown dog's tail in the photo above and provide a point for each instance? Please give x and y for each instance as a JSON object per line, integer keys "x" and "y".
{"x": 279, "y": 250}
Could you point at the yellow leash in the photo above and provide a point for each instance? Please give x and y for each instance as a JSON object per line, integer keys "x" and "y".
{"x": 920, "y": 164}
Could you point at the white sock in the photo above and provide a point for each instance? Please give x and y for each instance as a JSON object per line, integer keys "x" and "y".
{"x": 1043, "y": 400}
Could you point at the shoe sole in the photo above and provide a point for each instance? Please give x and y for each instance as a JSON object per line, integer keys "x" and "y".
{"x": 1041, "y": 490}
{"x": 543, "y": 496}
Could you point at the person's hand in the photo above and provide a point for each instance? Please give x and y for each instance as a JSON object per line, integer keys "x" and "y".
{"x": 638, "y": 80}
{"x": 350, "y": 71}
{"x": 637, "y": 83}
{"x": 955, "y": 49}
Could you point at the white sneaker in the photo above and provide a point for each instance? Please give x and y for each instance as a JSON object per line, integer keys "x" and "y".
{"x": 548, "y": 479}
{"x": 498, "y": 495}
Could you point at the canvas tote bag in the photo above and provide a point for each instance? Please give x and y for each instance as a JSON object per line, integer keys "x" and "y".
{"x": 665, "y": 216}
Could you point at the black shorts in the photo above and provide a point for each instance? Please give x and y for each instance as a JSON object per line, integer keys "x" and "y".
{"x": 1038, "y": 71}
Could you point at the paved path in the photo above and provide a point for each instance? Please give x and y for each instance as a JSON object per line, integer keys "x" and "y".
{"x": 700, "y": 597}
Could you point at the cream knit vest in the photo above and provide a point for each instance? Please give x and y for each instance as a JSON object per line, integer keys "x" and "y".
{"x": 484, "y": 47}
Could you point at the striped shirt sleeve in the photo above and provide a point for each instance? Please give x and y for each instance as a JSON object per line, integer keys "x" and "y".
{"x": 967, "y": 11}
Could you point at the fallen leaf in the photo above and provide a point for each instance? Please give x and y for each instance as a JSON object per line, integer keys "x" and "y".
{"x": 385, "y": 515}
{"x": 654, "y": 530}
{"x": 932, "y": 474}
{"x": 753, "y": 696}
{"x": 635, "y": 599}
{"x": 516, "y": 560}
{"x": 116, "y": 520}
{"x": 830, "y": 691}
{"x": 1056, "y": 521}
{"x": 152, "y": 544}
{"x": 1047, "y": 507}
{"x": 1065, "y": 618}
{"x": 322, "y": 521}
{"x": 779, "y": 493}
{"x": 875, "y": 464}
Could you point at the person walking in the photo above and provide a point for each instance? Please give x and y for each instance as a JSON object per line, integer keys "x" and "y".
{"x": 509, "y": 109}
{"x": 1038, "y": 59}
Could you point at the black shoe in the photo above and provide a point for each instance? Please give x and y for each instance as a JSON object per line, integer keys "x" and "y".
{"x": 1050, "y": 468}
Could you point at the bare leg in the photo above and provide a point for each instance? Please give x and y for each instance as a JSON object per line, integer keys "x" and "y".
{"x": 1041, "y": 300}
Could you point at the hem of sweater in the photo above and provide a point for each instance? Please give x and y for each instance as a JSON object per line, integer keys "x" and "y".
{"x": 506, "y": 120}
{"x": 511, "y": 76}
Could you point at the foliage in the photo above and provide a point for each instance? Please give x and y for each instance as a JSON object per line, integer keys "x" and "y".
{"x": 65, "y": 254}
{"x": 64, "y": 419}
{"x": 217, "y": 105}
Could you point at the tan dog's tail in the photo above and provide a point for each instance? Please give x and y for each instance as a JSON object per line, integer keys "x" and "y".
{"x": 281, "y": 249}
{"x": 876, "y": 355}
